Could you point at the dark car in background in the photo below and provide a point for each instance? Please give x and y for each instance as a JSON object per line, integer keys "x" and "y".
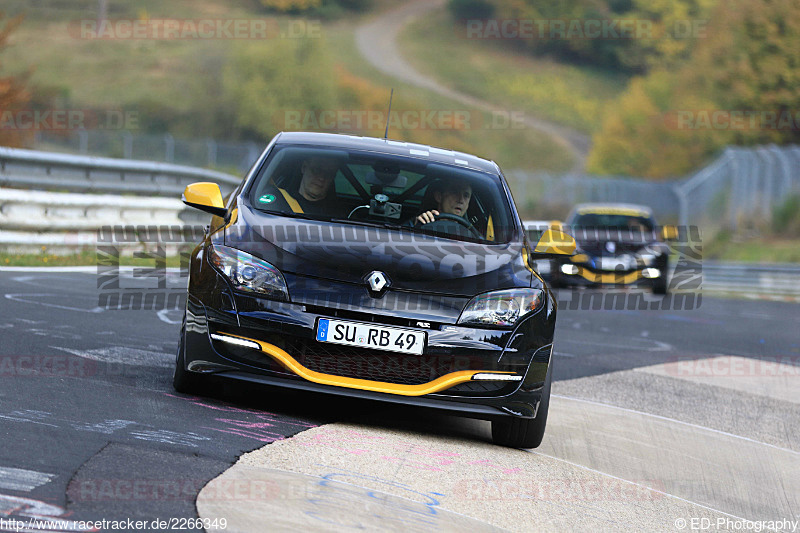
{"x": 351, "y": 295}
{"x": 618, "y": 245}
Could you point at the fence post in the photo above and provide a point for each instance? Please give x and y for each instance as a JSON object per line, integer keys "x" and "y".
{"x": 83, "y": 141}
{"x": 211, "y": 148}
{"x": 735, "y": 186}
{"x": 169, "y": 148}
{"x": 768, "y": 176}
{"x": 127, "y": 145}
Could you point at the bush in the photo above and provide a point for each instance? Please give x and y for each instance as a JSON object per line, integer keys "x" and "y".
{"x": 786, "y": 217}
{"x": 470, "y": 9}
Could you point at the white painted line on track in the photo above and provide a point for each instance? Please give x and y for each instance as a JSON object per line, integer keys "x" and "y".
{"x": 656, "y": 346}
{"x": 21, "y": 479}
{"x": 25, "y": 298}
{"x": 162, "y": 316}
{"x": 92, "y": 269}
{"x": 124, "y": 355}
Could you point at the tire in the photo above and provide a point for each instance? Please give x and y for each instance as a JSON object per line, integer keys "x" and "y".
{"x": 183, "y": 380}
{"x": 525, "y": 432}
{"x": 660, "y": 286}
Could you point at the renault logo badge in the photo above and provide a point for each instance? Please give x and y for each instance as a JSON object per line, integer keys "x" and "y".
{"x": 378, "y": 282}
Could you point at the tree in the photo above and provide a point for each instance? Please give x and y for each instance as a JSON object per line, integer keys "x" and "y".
{"x": 740, "y": 85}
{"x": 13, "y": 95}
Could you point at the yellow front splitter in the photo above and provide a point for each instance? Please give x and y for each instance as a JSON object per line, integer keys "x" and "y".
{"x": 290, "y": 363}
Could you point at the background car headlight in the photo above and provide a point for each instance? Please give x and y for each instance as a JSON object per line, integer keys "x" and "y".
{"x": 501, "y": 308}
{"x": 249, "y": 273}
{"x": 648, "y": 256}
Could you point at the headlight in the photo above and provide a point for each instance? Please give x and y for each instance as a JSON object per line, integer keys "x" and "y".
{"x": 248, "y": 273}
{"x": 648, "y": 255}
{"x": 501, "y": 308}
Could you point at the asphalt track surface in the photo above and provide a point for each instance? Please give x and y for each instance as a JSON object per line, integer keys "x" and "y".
{"x": 658, "y": 416}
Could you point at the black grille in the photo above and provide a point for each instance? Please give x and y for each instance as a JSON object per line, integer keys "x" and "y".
{"x": 375, "y": 365}
{"x": 487, "y": 388}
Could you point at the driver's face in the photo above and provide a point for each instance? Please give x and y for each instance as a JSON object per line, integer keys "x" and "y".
{"x": 318, "y": 174}
{"x": 455, "y": 200}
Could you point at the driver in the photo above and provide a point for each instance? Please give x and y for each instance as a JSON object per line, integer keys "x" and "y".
{"x": 451, "y": 197}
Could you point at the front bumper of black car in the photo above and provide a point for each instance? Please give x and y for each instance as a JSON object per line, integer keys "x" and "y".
{"x": 273, "y": 343}
{"x": 586, "y": 275}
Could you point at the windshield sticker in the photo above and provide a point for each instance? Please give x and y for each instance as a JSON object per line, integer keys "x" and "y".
{"x": 267, "y": 198}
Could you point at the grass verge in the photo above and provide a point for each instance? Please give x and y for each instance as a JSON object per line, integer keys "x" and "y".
{"x": 495, "y": 71}
{"x": 172, "y": 76}
{"x": 724, "y": 247}
{"x": 88, "y": 257}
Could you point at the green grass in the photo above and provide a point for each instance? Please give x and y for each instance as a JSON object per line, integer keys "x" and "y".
{"x": 503, "y": 74}
{"x": 724, "y": 247}
{"x": 87, "y": 257}
{"x": 175, "y": 74}
{"x": 511, "y": 148}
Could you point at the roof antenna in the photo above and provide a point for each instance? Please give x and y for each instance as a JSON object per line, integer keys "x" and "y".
{"x": 388, "y": 117}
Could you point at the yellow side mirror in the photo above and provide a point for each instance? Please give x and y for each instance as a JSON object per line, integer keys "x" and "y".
{"x": 669, "y": 233}
{"x": 205, "y": 196}
{"x": 555, "y": 242}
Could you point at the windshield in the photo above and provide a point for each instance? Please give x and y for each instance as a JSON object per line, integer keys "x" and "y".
{"x": 613, "y": 221}
{"x": 612, "y": 226}
{"x": 359, "y": 187}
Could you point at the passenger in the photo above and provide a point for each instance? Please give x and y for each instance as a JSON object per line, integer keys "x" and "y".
{"x": 314, "y": 193}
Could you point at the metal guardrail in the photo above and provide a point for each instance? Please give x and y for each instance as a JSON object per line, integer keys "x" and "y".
{"x": 102, "y": 192}
{"x": 70, "y": 220}
{"x": 779, "y": 280}
{"x": 50, "y": 171}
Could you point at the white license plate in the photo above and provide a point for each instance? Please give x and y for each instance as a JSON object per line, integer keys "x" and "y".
{"x": 613, "y": 263}
{"x": 371, "y": 336}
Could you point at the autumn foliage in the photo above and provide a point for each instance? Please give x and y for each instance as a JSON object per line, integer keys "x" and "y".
{"x": 13, "y": 94}
{"x": 740, "y": 85}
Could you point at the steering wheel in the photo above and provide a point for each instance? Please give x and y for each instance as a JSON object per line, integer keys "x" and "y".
{"x": 462, "y": 221}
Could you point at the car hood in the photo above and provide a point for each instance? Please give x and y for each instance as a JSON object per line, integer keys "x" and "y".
{"x": 349, "y": 253}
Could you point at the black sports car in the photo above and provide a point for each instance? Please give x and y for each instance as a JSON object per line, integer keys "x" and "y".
{"x": 328, "y": 269}
{"x": 617, "y": 245}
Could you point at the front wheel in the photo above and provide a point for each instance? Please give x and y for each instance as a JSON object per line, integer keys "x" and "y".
{"x": 660, "y": 286}
{"x": 525, "y": 432}
{"x": 183, "y": 380}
